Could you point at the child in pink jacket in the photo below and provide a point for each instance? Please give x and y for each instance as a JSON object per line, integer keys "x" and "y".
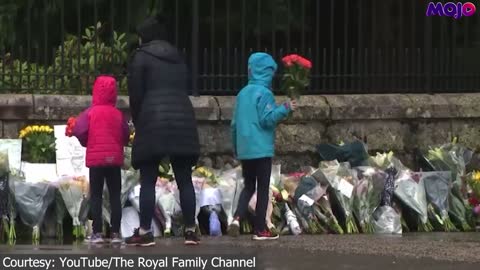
{"x": 103, "y": 130}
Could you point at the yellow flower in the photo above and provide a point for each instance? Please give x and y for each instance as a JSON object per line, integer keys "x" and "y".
{"x": 22, "y": 134}
{"x": 28, "y": 129}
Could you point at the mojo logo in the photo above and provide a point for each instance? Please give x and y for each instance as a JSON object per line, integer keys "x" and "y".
{"x": 450, "y": 9}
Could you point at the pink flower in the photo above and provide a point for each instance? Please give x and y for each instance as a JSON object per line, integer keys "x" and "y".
{"x": 476, "y": 210}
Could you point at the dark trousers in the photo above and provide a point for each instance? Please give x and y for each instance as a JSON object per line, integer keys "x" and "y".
{"x": 182, "y": 168}
{"x": 256, "y": 173}
{"x": 113, "y": 176}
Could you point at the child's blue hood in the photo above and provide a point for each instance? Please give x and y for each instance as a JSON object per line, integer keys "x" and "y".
{"x": 261, "y": 67}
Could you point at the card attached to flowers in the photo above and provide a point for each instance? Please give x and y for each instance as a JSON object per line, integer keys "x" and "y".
{"x": 345, "y": 188}
{"x": 307, "y": 200}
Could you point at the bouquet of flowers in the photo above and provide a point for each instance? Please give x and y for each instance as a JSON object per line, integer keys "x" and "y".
{"x": 307, "y": 193}
{"x": 341, "y": 180}
{"x": 165, "y": 169}
{"x": 32, "y": 200}
{"x": 458, "y": 213}
{"x": 39, "y": 144}
{"x": 166, "y": 203}
{"x": 206, "y": 173}
{"x": 230, "y": 184}
{"x": 367, "y": 195}
{"x": 437, "y": 187}
{"x": 74, "y": 191}
{"x": 324, "y": 212}
{"x": 473, "y": 180}
{"x": 410, "y": 189}
{"x": 297, "y": 75}
{"x": 70, "y": 125}
{"x": 4, "y": 193}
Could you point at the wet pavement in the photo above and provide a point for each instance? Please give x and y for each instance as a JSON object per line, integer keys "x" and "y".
{"x": 410, "y": 251}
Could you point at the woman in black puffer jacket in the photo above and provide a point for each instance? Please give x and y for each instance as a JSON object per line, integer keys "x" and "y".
{"x": 165, "y": 125}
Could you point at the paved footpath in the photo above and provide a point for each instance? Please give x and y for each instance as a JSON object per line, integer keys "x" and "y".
{"x": 437, "y": 251}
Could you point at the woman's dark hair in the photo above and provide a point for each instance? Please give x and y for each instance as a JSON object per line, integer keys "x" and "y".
{"x": 153, "y": 28}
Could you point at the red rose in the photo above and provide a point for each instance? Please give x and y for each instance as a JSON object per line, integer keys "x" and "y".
{"x": 70, "y": 125}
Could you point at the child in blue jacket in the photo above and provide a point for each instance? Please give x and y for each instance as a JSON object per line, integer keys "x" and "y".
{"x": 253, "y": 135}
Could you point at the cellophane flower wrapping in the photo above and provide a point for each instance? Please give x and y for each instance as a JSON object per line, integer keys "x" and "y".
{"x": 127, "y": 163}
{"x": 437, "y": 188}
{"x": 167, "y": 203}
{"x": 32, "y": 201}
{"x": 458, "y": 213}
{"x": 230, "y": 184}
{"x": 308, "y": 192}
{"x": 411, "y": 192}
{"x": 60, "y": 213}
{"x": 386, "y": 220}
{"x": 367, "y": 195}
{"x": 74, "y": 191}
{"x": 341, "y": 180}
{"x": 292, "y": 221}
{"x": 4, "y": 193}
{"x": 452, "y": 157}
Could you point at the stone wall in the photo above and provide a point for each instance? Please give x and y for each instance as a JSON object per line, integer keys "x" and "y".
{"x": 397, "y": 122}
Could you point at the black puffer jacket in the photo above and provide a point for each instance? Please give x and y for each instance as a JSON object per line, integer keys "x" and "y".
{"x": 161, "y": 110}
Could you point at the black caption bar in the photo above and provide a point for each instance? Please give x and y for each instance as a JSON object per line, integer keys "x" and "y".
{"x": 125, "y": 262}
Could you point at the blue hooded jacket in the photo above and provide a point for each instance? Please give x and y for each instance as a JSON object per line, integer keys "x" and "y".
{"x": 256, "y": 115}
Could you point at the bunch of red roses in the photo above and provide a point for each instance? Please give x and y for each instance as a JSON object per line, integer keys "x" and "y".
{"x": 70, "y": 125}
{"x": 297, "y": 75}
{"x": 293, "y": 59}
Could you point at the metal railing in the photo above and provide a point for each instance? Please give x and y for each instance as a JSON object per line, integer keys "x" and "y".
{"x": 357, "y": 46}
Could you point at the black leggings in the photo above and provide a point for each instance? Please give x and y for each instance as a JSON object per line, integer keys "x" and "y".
{"x": 113, "y": 176}
{"x": 182, "y": 168}
{"x": 255, "y": 171}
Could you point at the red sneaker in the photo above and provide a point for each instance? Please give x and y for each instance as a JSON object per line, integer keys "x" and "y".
{"x": 265, "y": 235}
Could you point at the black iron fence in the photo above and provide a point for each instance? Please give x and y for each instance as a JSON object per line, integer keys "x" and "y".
{"x": 357, "y": 46}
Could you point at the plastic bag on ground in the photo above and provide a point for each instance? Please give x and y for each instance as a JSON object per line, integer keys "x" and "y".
{"x": 387, "y": 221}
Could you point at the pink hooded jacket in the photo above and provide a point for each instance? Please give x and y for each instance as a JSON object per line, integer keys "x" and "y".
{"x": 102, "y": 128}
